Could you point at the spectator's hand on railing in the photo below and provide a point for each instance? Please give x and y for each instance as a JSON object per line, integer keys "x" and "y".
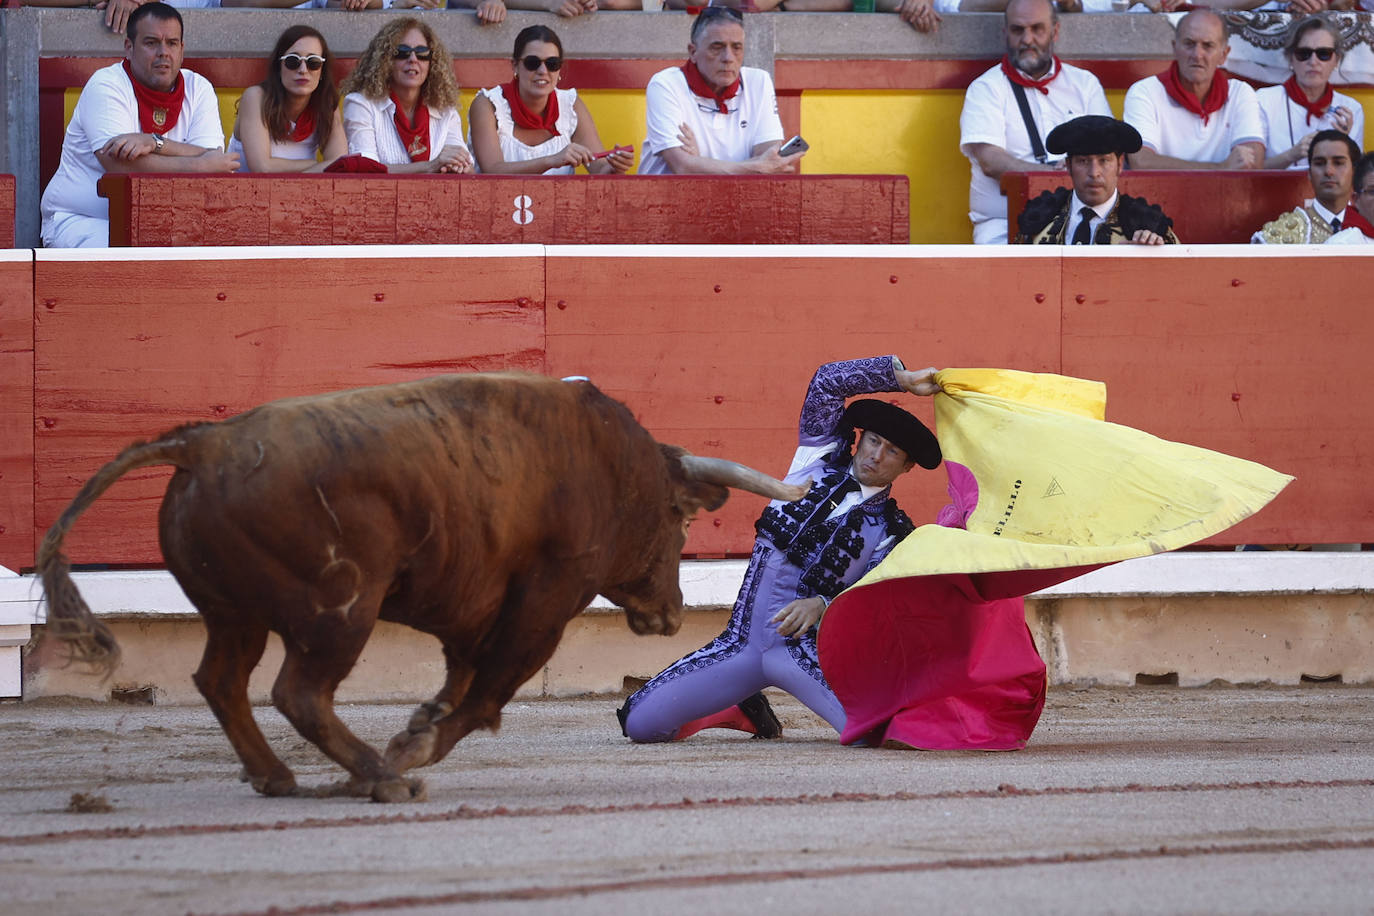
{"x": 1146, "y": 237}
{"x": 491, "y": 12}
{"x": 215, "y": 160}
{"x": 128, "y": 147}
{"x": 570, "y": 8}
{"x": 770, "y": 163}
{"x": 920, "y": 15}
{"x": 453, "y": 160}
{"x": 1307, "y": 7}
{"x": 117, "y": 13}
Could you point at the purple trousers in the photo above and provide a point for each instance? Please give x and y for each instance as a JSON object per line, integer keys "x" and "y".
{"x": 748, "y": 656}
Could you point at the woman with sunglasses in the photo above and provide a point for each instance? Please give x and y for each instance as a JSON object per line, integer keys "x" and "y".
{"x": 291, "y": 119}
{"x": 1293, "y": 113}
{"x": 529, "y": 126}
{"x": 401, "y": 107}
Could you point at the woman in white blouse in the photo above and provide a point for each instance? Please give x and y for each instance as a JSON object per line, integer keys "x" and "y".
{"x": 401, "y": 107}
{"x": 530, "y": 126}
{"x": 1294, "y": 111}
{"x": 286, "y": 122}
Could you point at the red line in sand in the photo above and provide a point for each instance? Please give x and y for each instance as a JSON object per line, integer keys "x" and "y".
{"x": 810, "y": 874}
{"x": 466, "y": 813}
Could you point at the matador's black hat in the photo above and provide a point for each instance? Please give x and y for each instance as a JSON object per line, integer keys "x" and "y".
{"x": 896, "y": 426}
{"x": 1093, "y": 135}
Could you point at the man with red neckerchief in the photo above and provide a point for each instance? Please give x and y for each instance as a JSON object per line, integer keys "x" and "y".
{"x": 713, "y": 115}
{"x": 145, "y": 114}
{"x": 1193, "y": 115}
{"x": 1358, "y": 220}
{"x": 995, "y": 128}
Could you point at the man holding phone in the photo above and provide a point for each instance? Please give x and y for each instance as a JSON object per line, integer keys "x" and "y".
{"x": 713, "y": 115}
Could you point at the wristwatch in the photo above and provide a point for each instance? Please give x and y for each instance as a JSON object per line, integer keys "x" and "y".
{"x": 159, "y": 142}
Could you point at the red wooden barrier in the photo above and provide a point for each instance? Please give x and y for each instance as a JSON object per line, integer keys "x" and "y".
{"x": 161, "y": 210}
{"x": 1257, "y": 356}
{"x": 16, "y": 408}
{"x": 6, "y": 211}
{"x": 1207, "y": 207}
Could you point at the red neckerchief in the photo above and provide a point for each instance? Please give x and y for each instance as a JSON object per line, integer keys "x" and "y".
{"x": 1020, "y": 79}
{"x": 158, "y": 112}
{"x": 415, "y": 137}
{"x": 1216, "y": 96}
{"x": 1352, "y": 217}
{"x": 305, "y": 126}
{"x": 1314, "y": 109}
{"x": 700, "y": 88}
{"x": 521, "y": 114}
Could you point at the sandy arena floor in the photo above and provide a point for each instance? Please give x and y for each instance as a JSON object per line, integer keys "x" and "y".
{"x": 1145, "y": 800}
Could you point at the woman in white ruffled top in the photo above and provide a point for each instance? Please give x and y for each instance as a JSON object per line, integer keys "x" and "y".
{"x": 290, "y": 120}
{"x": 529, "y": 126}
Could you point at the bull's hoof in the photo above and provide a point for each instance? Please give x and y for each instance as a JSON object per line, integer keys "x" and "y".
{"x": 409, "y": 750}
{"x": 426, "y": 715}
{"x": 274, "y": 786}
{"x": 393, "y": 791}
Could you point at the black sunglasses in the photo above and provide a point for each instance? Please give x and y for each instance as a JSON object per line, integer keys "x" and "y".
{"x": 1322, "y": 53}
{"x": 531, "y": 63}
{"x": 312, "y": 62}
{"x": 403, "y": 52}
{"x": 715, "y": 12}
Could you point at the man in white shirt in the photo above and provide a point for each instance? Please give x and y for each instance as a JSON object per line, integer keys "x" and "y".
{"x": 713, "y": 115}
{"x": 1358, "y": 219}
{"x": 1193, "y": 115}
{"x": 993, "y": 129}
{"x": 145, "y": 114}
{"x": 1094, "y": 212}
{"x": 1331, "y": 169}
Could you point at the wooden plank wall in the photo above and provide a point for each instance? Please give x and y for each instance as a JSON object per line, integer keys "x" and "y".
{"x": 166, "y": 210}
{"x": 1261, "y": 357}
{"x": 16, "y": 408}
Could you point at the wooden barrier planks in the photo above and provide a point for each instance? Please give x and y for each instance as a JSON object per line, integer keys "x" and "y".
{"x": 174, "y": 210}
{"x": 1263, "y": 357}
{"x": 713, "y": 352}
{"x": 16, "y": 409}
{"x": 1207, "y": 206}
{"x": 132, "y": 347}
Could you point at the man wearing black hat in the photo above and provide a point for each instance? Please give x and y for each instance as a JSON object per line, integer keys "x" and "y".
{"x": 806, "y": 553}
{"x": 1093, "y": 213}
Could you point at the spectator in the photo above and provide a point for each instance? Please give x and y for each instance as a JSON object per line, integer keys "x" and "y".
{"x": 529, "y": 126}
{"x": 401, "y": 100}
{"x": 492, "y": 12}
{"x": 1093, "y": 213}
{"x": 145, "y": 114}
{"x": 998, "y": 133}
{"x": 1332, "y": 173}
{"x": 1194, "y": 116}
{"x": 1358, "y": 219}
{"x": 293, "y": 114}
{"x": 713, "y": 115}
{"x": 1294, "y": 112}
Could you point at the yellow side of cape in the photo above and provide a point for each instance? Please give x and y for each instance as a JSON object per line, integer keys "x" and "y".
{"x": 1060, "y": 487}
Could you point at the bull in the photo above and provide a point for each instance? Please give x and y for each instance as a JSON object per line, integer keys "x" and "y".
{"x": 486, "y": 510}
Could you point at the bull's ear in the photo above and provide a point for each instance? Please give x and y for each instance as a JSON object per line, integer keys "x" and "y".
{"x": 690, "y": 496}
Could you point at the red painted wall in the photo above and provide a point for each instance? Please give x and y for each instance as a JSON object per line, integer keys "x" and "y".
{"x": 1261, "y": 357}
{"x": 16, "y": 412}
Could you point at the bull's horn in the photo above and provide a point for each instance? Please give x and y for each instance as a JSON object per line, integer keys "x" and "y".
{"x": 741, "y": 477}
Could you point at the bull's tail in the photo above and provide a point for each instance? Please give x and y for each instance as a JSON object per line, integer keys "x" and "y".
{"x": 88, "y": 640}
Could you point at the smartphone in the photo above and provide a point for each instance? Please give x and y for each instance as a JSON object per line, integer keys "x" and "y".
{"x": 793, "y": 146}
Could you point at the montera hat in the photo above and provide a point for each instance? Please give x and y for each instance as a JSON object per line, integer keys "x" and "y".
{"x": 896, "y": 426}
{"x": 1093, "y": 135}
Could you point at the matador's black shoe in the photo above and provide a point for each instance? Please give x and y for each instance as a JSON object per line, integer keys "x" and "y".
{"x": 758, "y": 711}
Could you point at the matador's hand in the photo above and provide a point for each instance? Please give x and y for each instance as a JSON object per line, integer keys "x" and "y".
{"x": 798, "y": 616}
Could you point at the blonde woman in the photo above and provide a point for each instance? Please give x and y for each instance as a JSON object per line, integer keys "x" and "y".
{"x": 401, "y": 102}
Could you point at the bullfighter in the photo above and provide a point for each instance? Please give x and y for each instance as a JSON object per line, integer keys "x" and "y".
{"x": 806, "y": 553}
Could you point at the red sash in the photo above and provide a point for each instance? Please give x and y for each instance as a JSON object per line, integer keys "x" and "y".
{"x": 1352, "y": 217}
{"x": 1020, "y": 79}
{"x": 415, "y": 137}
{"x": 700, "y": 88}
{"x": 305, "y": 127}
{"x": 1314, "y": 109}
{"x": 158, "y": 112}
{"x": 1216, "y": 96}
{"x": 521, "y": 114}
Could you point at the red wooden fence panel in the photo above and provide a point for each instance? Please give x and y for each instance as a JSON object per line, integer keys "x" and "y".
{"x": 16, "y": 408}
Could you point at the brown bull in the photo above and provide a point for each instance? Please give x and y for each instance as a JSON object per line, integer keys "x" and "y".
{"x": 486, "y": 510}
